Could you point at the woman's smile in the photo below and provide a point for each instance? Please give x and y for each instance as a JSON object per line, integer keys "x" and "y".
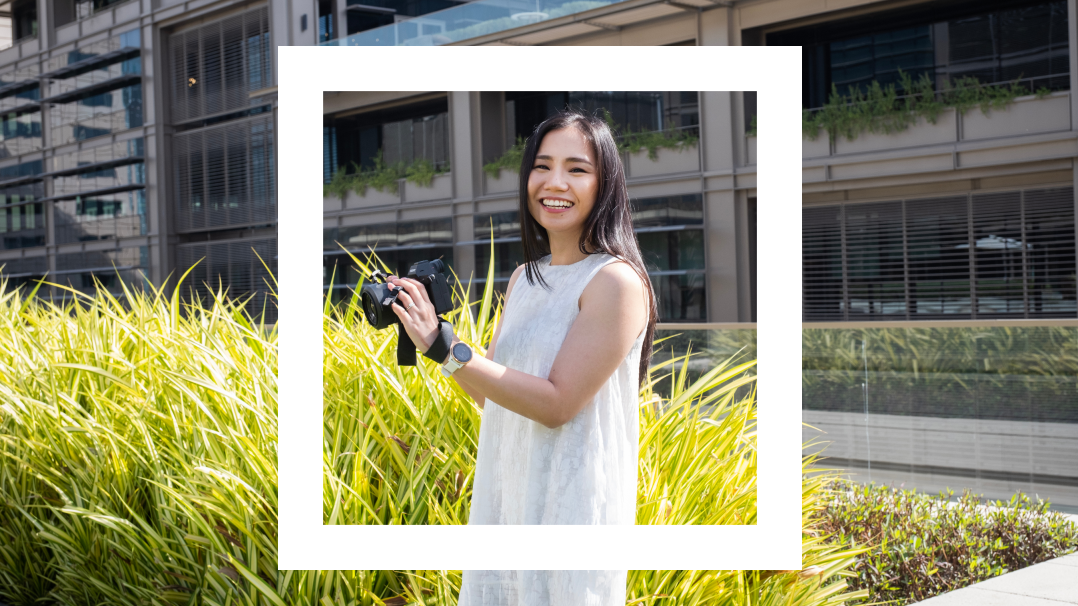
{"x": 556, "y": 205}
{"x": 563, "y": 183}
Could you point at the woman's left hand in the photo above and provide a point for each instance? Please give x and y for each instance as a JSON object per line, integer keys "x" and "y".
{"x": 419, "y": 320}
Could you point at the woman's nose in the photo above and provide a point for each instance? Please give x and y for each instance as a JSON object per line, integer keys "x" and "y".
{"x": 557, "y": 180}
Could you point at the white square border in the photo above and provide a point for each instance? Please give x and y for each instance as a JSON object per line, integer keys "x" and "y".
{"x": 304, "y": 73}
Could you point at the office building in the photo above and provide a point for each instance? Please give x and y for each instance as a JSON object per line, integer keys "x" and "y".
{"x": 138, "y": 139}
{"x": 694, "y": 200}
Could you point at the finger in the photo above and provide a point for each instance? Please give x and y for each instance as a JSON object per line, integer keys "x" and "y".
{"x": 414, "y": 289}
{"x": 406, "y": 301}
{"x": 422, "y": 290}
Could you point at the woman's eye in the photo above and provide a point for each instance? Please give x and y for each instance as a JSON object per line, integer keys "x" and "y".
{"x": 539, "y": 166}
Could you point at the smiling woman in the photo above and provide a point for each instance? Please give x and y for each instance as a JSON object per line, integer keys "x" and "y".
{"x": 558, "y": 442}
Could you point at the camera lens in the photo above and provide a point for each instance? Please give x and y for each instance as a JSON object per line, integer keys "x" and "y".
{"x": 372, "y": 309}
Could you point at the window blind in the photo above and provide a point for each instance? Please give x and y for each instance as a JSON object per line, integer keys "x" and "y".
{"x": 982, "y": 255}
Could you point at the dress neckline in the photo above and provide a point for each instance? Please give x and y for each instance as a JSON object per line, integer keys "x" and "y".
{"x": 548, "y": 258}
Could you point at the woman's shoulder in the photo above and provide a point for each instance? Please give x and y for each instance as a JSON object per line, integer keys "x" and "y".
{"x": 614, "y": 279}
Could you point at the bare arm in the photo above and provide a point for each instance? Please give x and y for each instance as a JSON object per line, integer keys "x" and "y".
{"x": 612, "y": 315}
{"x": 469, "y": 389}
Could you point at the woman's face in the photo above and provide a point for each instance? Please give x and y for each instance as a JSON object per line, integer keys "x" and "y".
{"x": 564, "y": 182}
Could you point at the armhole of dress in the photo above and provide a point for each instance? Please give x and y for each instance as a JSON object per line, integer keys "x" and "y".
{"x": 612, "y": 259}
{"x": 591, "y": 274}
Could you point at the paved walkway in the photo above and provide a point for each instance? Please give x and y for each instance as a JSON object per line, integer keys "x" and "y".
{"x": 1051, "y": 583}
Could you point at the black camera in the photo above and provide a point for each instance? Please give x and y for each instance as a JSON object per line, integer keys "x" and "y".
{"x": 377, "y": 296}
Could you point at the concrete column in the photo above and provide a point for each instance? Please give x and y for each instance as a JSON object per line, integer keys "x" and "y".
{"x": 340, "y": 27}
{"x": 160, "y": 199}
{"x": 721, "y": 223}
{"x": 464, "y": 256}
{"x": 720, "y": 27}
{"x": 717, "y": 130}
{"x": 721, "y": 216}
{"x": 465, "y": 162}
{"x": 463, "y": 122}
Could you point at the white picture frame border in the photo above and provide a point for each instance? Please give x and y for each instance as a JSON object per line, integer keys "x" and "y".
{"x": 305, "y": 73}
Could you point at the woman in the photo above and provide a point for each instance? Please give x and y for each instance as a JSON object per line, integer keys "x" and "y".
{"x": 560, "y": 380}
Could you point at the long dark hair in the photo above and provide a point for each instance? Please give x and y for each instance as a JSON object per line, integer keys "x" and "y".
{"x": 609, "y": 227}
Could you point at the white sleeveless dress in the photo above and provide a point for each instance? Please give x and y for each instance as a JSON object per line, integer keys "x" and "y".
{"x": 584, "y": 472}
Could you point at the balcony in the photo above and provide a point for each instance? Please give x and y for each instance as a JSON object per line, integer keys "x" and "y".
{"x": 441, "y": 188}
{"x": 486, "y": 17}
{"x": 1031, "y": 129}
{"x": 676, "y": 158}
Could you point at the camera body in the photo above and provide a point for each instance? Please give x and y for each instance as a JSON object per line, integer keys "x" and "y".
{"x": 378, "y": 296}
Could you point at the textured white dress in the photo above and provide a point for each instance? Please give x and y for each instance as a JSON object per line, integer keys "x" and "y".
{"x": 583, "y": 472}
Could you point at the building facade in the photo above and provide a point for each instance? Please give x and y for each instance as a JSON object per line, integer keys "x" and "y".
{"x": 693, "y": 195}
{"x": 138, "y": 140}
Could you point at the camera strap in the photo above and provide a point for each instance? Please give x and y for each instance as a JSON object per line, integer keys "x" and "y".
{"x": 437, "y": 352}
{"x": 405, "y": 348}
{"x": 440, "y": 348}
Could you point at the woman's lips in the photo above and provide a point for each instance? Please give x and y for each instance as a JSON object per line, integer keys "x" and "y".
{"x": 555, "y": 209}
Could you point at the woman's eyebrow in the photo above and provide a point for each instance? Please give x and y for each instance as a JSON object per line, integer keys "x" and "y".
{"x": 582, "y": 160}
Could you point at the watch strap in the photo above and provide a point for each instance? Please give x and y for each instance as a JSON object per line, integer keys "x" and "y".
{"x": 440, "y": 348}
{"x": 451, "y": 366}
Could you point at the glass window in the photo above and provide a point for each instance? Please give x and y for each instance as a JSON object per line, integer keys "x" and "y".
{"x": 94, "y": 75}
{"x": 83, "y": 271}
{"x": 23, "y": 272}
{"x": 987, "y": 255}
{"x": 672, "y": 250}
{"x": 100, "y": 217}
{"x": 97, "y": 114}
{"x": 20, "y": 133}
{"x": 397, "y": 245}
{"x": 668, "y": 210}
{"x": 86, "y": 8}
{"x": 215, "y": 65}
{"x": 402, "y": 135}
{"x": 18, "y": 21}
{"x": 963, "y": 39}
{"x": 629, "y": 110}
{"x": 22, "y": 225}
{"x": 682, "y": 297}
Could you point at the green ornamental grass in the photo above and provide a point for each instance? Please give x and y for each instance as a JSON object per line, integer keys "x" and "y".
{"x": 138, "y": 461}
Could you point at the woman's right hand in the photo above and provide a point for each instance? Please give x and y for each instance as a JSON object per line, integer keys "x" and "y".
{"x": 416, "y": 312}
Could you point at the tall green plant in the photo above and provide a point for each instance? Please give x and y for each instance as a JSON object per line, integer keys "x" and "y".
{"x": 138, "y": 462}
{"x": 881, "y": 109}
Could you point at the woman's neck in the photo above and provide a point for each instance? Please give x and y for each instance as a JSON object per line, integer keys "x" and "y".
{"x": 565, "y": 249}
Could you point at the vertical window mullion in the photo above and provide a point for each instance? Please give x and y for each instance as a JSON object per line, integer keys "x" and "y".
{"x": 905, "y": 262}
{"x": 1025, "y": 262}
{"x": 845, "y": 264}
{"x": 971, "y": 239}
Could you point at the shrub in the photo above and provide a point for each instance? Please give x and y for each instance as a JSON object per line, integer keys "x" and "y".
{"x": 383, "y": 177}
{"x": 923, "y": 545}
{"x": 138, "y": 465}
{"x": 879, "y": 109}
{"x": 510, "y": 160}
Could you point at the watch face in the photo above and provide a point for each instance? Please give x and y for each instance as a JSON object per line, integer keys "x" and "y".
{"x": 462, "y": 353}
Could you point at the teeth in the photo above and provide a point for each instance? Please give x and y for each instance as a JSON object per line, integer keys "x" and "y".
{"x": 556, "y": 203}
